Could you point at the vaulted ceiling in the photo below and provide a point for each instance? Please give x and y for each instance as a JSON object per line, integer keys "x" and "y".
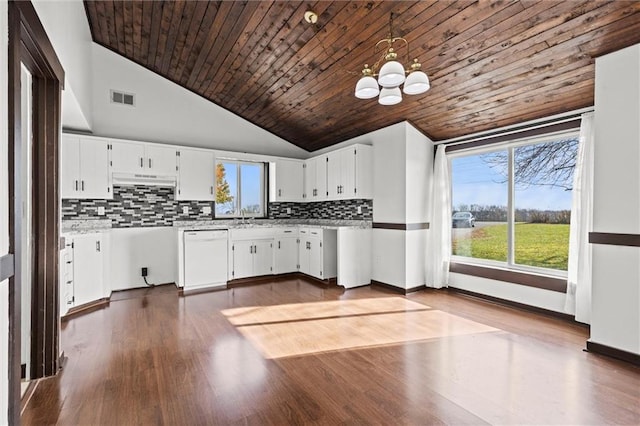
{"x": 491, "y": 63}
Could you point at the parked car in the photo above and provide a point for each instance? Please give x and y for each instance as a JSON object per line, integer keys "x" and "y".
{"x": 463, "y": 220}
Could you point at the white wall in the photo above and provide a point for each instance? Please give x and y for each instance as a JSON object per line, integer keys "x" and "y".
{"x": 4, "y": 215}
{"x": 68, "y": 29}
{"x": 134, "y": 248}
{"x": 167, "y": 113}
{"x": 615, "y": 320}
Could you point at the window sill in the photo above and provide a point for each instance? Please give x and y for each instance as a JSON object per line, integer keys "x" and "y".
{"x": 544, "y": 282}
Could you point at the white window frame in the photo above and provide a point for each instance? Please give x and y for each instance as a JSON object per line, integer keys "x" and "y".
{"x": 238, "y": 202}
{"x": 509, "y": 146}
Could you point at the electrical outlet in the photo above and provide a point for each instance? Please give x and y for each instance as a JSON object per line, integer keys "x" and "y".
{"x": 206, "y": 210}
{"x": 288, "y": 210}
{"x": 359, "y": 209}
{"x": 100, "y": 210}
{"x": 185, "y": 210}
{"x": 145, "y": 272}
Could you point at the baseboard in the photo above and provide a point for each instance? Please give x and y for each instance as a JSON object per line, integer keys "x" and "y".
{"x": 31, "y": 388}
{"x": 609, "y": 351}
{"x": 243, "y": 282}
{"x": 517, "y": 305}
{"x": 86, "y": 308}
{"x": 397, "y": 289}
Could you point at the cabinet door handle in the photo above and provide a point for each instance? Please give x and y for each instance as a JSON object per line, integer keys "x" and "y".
{"x": 255, "y": 249}
{"x": 278, "y": 245}
{"x": 82, "y": 185}
{"x": 76, "y": 185}
{"x": 97, "y": 245}
{"x": 141, "y": 162}
{"x": 279, "y": 192}
{"x": 149, "y": 162}
{"x": 250, "y": 249}
{"x": 211, "y": 190}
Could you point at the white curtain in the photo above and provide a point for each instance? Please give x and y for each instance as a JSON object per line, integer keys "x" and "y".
{"x": 578, "y": 299}
{"x": 439, "y": 234}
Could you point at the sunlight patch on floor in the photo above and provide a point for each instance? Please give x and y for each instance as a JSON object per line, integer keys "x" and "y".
{"x": 306, "y": 328}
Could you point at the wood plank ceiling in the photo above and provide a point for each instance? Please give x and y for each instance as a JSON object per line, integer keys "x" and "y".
{"x": 491, "y": 63}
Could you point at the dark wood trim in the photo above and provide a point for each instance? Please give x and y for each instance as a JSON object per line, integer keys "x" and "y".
{"x": 6, "y": 267}
{"x": 609, "y": 351}
{"x": 86, "y": 308}
{"x": 514, "y": 277}
{"x": 401, "y": 226}
{"x": 629, "y": 240}
{"x": 244, "y": 282}
{"x": 517, "y": 305}
{"x": 515, "y": 134}
{"x": 30, "y": 45}
{"x": 397, "y": 289}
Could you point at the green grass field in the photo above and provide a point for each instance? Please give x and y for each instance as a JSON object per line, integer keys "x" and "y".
{"x": 536, "y": 244}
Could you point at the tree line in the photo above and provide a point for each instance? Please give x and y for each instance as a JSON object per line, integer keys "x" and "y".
{"x": 494, "y": 213}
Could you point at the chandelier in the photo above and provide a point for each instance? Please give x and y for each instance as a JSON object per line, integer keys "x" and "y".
{"x": 392, "y": 74}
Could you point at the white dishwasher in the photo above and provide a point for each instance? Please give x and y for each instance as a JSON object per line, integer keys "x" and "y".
{"x": 205, "y": 259}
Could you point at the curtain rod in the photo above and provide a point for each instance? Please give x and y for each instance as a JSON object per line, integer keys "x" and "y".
{"x": 516, "y": 128}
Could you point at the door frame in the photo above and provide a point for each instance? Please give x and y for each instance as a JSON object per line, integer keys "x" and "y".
{"x": 30, "y": 45}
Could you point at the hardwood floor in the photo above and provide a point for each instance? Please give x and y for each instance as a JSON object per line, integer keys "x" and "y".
{"x": 157, "y": 358}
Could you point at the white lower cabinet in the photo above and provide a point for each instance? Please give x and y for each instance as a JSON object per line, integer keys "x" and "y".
{"x": 82, "y": 270}
{"x": 317, "y": 252}
{"x": 285, "y": 251}
{"x": 251, "y": 258}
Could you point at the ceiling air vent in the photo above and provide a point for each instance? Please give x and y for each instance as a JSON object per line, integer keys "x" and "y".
{"x": 123, "y": 98}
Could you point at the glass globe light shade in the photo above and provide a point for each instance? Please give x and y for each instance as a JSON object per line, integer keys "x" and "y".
{"x": 391, "y": 74}
{"x": 367, "y": 88}
{"x": 390, "y": 96}
{"x": 416, "y": 83}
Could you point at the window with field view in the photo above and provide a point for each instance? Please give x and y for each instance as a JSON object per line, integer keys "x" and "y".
{"x": 530, "y": 228}
{"x": 240, "y": 189}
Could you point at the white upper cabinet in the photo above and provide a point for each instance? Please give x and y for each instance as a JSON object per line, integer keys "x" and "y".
{"x": 316, "y": 178}
{"x": 289, "y": 181}
{"x": 84, "y": 168}
{"x": 161, "y": 160}
{"x": 196, "y": 175}
{"x": 127, "y": 157}
{"x": 349, "y": 173}
{"x": 140, "y": 158}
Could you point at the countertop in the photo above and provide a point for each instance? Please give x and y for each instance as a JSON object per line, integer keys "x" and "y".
{"x": 85, "y": 226}
{"x": 187, "y": 225}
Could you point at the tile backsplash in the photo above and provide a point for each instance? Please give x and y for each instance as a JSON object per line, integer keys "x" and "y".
{"x": 334, "y": 210}
{"x": 138, "y": 206}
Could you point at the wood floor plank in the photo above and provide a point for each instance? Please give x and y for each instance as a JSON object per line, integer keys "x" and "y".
{"x": 153, "y": 357}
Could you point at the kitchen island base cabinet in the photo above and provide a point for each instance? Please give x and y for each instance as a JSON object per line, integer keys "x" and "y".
{"x": 317, "y": 252}
{"x": 354, "y": 257}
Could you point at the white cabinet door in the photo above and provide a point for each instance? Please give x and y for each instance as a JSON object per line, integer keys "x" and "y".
{"x": 285, "y": 255}
{"x": 289, "y": 180}
{"x": 87, "y": 268}
{"x": 161, "y": 160}
{"x": 262, "y": 257}
{"x": 347, "y": 173}
{"x": 69, "y": 167}
{"x": 310, "y": 179}
{"x": 315, "y": 257}
{"x": 303, "y": 255}
{"x": 242, "y": 259}
{"x": 127, "y": 157}
{"x": 66, "y": 277}
{"x": 196, "y": 175}
{"x": 334, "y": 178}
{"x": 321, "y": 178}
{"x": 364, "y": 172}
{"x": 94, "y": 169}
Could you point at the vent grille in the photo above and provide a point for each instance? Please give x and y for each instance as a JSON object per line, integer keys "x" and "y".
{"x": 123, "y": 98}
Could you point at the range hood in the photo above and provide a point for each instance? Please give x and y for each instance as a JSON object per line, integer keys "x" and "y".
{"x": 143, "y": 179}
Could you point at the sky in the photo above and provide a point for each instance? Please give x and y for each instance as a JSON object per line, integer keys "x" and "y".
{"x": 251, "y": 190}
{"x": 475, "y": 182}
